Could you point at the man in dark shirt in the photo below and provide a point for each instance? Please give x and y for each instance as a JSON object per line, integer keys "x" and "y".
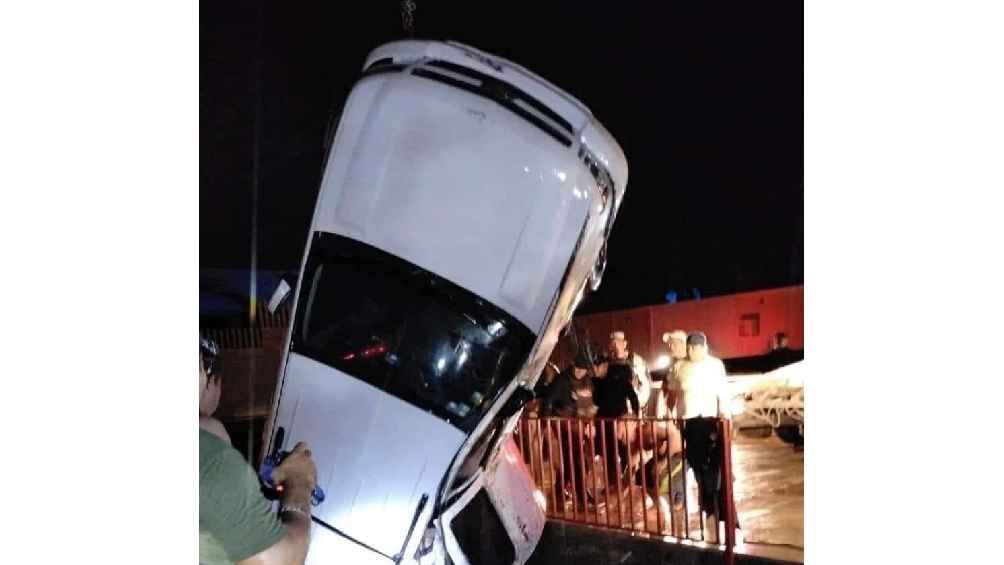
{"x": 569, "y": 397}
{"x": 620, "y": 354}
{"x": 781, "y": 354}
{"x": 571, "y": 392}
{"x": 613, "y": 393}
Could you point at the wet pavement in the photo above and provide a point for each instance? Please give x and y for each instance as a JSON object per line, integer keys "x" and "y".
{"x": 769, "y": 489}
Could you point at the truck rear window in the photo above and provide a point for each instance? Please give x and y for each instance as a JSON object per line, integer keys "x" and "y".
{"x": 406, "y": 330}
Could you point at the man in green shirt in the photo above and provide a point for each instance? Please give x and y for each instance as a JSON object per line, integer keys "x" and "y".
{"x": 236, "y": 525}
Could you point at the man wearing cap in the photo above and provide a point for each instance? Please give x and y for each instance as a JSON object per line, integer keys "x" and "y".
{"x": 666, "y": 444}
{"x": 621, "y": 355}
{"x": 703, "y": 398}
{"x": 570, "y": 395}
{"x": 676, "y": 342}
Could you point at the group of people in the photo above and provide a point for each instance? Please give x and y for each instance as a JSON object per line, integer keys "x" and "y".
{"x": 614, "y": 391}
{"x": 237, "y": 525}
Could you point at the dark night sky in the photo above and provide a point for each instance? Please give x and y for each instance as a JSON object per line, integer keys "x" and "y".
{"x": 706, "y": 102}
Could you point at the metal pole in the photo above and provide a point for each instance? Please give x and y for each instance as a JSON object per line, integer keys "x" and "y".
{"x": 659, "y": 522}
{"x": 560, "y": 475}
{"x": 255, "y": 174}
{"x": 570, "y": 458}
{"x": 641, "y": 470}
{"x": 730, "y": 504}
{"x": 606, "y": 462}
{"x": 580, "y": 443}
{"x": 629, "y": 480}
{"x": 540, "y": 460}
{"x": 686, "y": 508}
{"x": 617, "y": 475}
{"x": 592, "y": 469}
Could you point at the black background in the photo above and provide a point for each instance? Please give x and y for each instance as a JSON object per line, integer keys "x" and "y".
{"x": 705, "y": 100}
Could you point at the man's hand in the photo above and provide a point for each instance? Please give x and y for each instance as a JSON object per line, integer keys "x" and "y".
{"x": 297, "y": 472}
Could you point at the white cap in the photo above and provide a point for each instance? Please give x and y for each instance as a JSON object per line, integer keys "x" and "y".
{"x": 675, "y": 334}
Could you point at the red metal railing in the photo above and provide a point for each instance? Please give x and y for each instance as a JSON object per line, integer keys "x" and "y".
{"x": 626, "y": 474}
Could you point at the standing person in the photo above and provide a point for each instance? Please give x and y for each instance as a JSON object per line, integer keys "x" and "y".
{"x": 676, "y": 342}
{"x": 663, "y": 402}
{"x": 666, "y": 463}
{"x": 620, "y": 354}
{"x": 703, "y": 398}
{"x": 614, "y": 395}
{"x": 780, "y": 353}
{"x": 236, "y": 525}
{"x": 570, "y": 395}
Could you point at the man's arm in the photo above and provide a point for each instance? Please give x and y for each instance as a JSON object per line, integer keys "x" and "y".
{"x": 724, "y": 402}
{"x": 633, "y": 399}
{"x": 292, "y": 548}
{"x": 298, "y": 476}
{"x": 644, "y": 380}
{"x": 235, "y": 515}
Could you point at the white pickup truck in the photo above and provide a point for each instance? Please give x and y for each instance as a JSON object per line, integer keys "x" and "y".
{"x": 463, "y": 212}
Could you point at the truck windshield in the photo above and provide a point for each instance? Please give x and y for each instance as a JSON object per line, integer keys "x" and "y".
{"x": 405, "y": 330}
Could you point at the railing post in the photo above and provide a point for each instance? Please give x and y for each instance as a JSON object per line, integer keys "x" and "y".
{"x": 531, "y": 446}
{"x": 686, "y": 490}
{"x": 730, "y": 510}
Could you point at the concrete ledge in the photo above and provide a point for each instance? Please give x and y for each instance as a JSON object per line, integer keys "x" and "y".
{"x": 563, "y": 542}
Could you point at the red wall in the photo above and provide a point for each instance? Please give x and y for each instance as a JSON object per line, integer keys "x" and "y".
{"x": 720, "y": 318}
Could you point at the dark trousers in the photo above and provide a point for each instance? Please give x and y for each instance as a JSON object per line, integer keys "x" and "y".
{"x": 616, "y": 457}
{"x": 571, "y": 463}
{"x": 703, "y": 450}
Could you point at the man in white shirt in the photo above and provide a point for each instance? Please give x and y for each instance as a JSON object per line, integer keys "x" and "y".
{"x": 666, "y": 463}
{"x": 702, "y": 382}
{"x": 701, "y": 401}
{"x": 676, "y": 343}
